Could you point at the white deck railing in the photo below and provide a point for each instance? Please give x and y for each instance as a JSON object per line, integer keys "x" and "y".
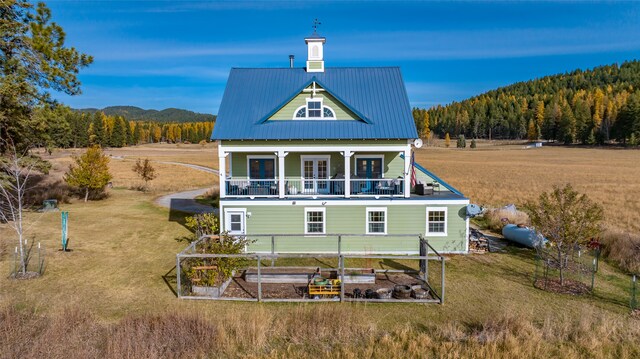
{"x": 298, "y": 187}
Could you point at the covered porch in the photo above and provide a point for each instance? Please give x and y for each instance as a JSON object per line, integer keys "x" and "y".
{"x": 314, "y": 171}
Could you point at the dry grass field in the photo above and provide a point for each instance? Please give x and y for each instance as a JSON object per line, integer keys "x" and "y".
{"x": 112, "y": 297}
{"x": 503, "y": 174}
{"x": 170, "y": 177}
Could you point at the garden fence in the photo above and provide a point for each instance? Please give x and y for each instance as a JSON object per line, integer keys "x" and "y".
{"x": 426, "y": 268}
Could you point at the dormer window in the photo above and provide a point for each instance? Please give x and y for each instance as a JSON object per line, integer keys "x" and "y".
{"x": 314, "y": 110}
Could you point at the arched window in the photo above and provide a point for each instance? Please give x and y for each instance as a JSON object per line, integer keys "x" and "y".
{"x": 302, "y": 112}
{"x": 327, "y": 113}
{"x": 314, "y": 52}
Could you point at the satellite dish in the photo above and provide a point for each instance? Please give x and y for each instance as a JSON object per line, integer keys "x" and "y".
{"x": 417, "y": 143}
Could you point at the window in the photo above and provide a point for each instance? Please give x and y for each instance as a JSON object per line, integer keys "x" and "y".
{"x": 235, "y": 221}
{"x": 262, "y": 168}
{"x": 313, "y": 109}
{"x": 437, "y": 221}
{"x": 376, "y": 221}
{"x": 314, "y": 222}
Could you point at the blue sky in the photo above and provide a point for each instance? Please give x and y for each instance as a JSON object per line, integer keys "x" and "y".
{"x": 159, "y": 54}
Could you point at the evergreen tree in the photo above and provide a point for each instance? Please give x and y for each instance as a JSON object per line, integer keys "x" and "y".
{"x": 136, "y": 133}
{"x": 33, "y": 61}
{"x": 97, "y": 133}
{"x": 447, "y": 140}
{"x": 119, "y": 135}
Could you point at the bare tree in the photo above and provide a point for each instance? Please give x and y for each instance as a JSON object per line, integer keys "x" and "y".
{"x": 145, "y": 171}
{"x": 15, "y": 170}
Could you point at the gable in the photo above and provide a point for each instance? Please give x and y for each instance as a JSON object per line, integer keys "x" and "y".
{"x": 376, "y": 96}
{"x": 340, "y": 111}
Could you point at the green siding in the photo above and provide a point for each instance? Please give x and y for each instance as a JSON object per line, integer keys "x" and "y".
{"x": 287, "y": 112}
{"x": 393, "y": 164}
{"x": 315, "y": 65}
{"x": 402, "y": 219}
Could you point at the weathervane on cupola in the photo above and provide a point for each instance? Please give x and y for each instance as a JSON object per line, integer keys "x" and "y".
{"x": 315, "y": 53}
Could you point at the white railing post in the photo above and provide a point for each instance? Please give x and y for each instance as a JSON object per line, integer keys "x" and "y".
{"x": 347, "y": 173}
{"x": 281, "y": 189}
{"x": 222, "y": 171}
{"x": 407, "y": 172}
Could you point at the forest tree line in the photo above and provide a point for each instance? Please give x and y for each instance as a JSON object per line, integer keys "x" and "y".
{"x": 64, "y": 128}
{"x": 590, "y": 107}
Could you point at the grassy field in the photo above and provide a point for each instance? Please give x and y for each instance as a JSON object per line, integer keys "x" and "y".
{"x": 112, "y": 295}
{"x": 503, "y": 174}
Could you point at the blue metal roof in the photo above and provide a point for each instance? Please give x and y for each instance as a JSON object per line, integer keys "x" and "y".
{"x": 376, "y": 94}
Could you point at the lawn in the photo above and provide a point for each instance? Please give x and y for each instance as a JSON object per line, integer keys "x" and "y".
{"x": 112, "y": 296}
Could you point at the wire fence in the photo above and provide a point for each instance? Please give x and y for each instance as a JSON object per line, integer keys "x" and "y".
{"x": 34, "y": 265}
{"x": 277, "y": 276}
{"x": 573, "y": 274}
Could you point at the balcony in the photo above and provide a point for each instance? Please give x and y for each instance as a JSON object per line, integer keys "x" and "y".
{"x": 298, "y": 187}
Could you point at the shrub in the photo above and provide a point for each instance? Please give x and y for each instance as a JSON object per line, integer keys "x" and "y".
{"x": 497, "y": 218}
{"x": 473, "y": 143}
{"x": 462, "y": 142}
{"x": 224, "y": 267}
{"x": 203, "y": 224}
{"x": 623, "y": 248}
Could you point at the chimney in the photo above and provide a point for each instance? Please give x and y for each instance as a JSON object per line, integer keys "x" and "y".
{"x": 291, "y": 61}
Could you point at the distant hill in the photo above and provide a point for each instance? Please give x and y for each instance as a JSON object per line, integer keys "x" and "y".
{"x": 587, "y": 106}
{"x": 166, "y": 115}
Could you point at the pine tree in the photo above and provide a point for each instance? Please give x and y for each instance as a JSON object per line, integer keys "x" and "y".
{"x": 532, "y": 132}
{"x": 97, "y": 129}
{"x": 89, "y": 172}
{"x": 136, "y": 134}
{"x": 426, "y": 130}
{"x": 118, "y": 136}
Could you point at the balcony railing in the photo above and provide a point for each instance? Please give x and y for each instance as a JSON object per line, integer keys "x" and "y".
{"x": 377, "y": 187}
{"x": 297, "y": 187}
{"x": 252, "y": 187}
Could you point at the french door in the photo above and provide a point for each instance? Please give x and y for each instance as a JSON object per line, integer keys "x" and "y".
{"x": 315, "y": 173}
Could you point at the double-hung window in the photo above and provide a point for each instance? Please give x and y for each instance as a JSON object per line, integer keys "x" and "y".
{"x": 314, "y": 109}
{"x": 376, "y": 221}
{"x": 315, "y": 221}
{"x": 436, "y": 221}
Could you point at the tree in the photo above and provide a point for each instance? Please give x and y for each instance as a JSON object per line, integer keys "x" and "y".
{"x": 15, "y": 171}
{"x": 119, "y": 134}
{"x": 90, "y": 171}
{"x": 145, "y": 171}
{"x": 33, "y": 61}
{"x": 447, "y": 140}
{"x": 462, "y": 142}
{"x": 426, "y": 131}
{"x": 532, "y": 133}
{"x": 567, "y": 219}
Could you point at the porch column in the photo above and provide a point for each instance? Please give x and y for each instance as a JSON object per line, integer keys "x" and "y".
{"x": 347, "y": 173}
{"x": 407, "y": 172}
{"x": 281, "y": 189}
{"x": 222, "y": 172}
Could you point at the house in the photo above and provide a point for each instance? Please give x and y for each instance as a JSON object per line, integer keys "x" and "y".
{"x": 310, "y": 152}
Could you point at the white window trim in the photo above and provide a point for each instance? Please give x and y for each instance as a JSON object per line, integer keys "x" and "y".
{"x": 315, "y": 157}
{"x": 244, "y": 216}
{"x": 355, "y": 164}
{"x": 446, "y": 222}
{"x": 324, "y": 220}
{"x": 258, "y": 157}
{"x": 306, "y": 112}
{"x": 386, "y": 219}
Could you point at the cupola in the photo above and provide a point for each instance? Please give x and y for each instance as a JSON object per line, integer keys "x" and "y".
{"x": 315, "y": 51}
